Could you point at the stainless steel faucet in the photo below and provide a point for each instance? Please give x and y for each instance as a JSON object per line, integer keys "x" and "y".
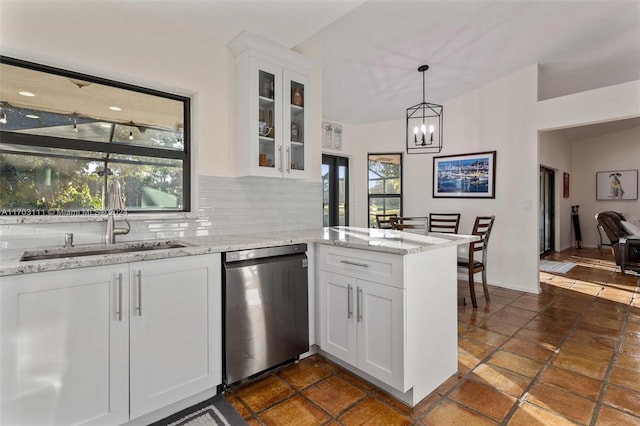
{"x": 114, "y": 203}
{"x": 68, "y": 240}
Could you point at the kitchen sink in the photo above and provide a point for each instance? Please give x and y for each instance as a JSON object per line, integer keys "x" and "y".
{"x": 95, "y": 250}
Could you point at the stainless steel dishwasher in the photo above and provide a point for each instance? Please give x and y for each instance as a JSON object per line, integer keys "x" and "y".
{"x": 265, "y": 311}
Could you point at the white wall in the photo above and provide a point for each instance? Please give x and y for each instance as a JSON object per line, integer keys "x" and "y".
{"x": 610, "y": 103}
{"x": 614, "y": 151}
{"x": 495, "y": 117}
{"x": 503, "y": 116}
{"x": 555, "y": 154}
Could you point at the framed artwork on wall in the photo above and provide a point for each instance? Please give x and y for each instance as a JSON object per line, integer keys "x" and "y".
{"x": 617, "y": 185}
{"x": 465, "y": 176}
{"x": 565, "y": 185}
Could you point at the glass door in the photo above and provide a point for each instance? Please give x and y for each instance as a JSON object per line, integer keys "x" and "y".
{"x": 296, "y": 126}
{"x": 335, "y": 190}
{"x": 267, "y": 110}
{"x": 295, "y": 123}
{"x": 546, "y": 207}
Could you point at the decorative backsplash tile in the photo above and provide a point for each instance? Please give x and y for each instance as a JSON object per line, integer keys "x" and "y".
{"x": 226, "y": 205}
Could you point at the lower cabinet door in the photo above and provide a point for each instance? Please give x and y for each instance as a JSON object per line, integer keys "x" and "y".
{"x": 338, "y": 331}
{"x": 380, "y": 329}
{"x": 175, "y": 330}
{"x": 64, "y": 347}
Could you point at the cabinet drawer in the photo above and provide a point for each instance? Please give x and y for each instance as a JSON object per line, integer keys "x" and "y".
{"x": 383, "y": 268}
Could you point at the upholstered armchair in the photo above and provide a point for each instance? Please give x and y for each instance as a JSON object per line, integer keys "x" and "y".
{"x": 625, "y": 247}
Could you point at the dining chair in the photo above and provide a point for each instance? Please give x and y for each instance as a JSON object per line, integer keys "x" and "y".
{"x": 383, "y": 221}
{"x": 444, "y": 222}
{"x": 417, "y": 224}
{"x": 482, "y": 228}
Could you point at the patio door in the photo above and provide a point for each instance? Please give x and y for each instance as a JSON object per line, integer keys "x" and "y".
{"x": 547, "y": 210}
{"x": 335, "y": 190}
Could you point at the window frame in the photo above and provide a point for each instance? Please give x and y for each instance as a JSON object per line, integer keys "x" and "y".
{"x": 383, "y": 196}
{"x": 25, "y": 139}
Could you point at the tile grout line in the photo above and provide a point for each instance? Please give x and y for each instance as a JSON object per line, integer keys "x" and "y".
{"x": 534, "y": 381}
{"x": 484, "y": 360}
{"x": 614, "y": 357}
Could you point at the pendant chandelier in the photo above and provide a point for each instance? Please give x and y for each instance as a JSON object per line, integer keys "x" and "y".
{"x": 424, "y": 125}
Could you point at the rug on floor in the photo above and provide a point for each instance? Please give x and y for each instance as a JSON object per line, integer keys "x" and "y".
{"x": 557, "y": 267}
{"x": 213, "y": 412}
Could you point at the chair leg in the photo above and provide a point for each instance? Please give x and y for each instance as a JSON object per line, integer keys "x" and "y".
{"x": 484, "y": 285}
{"x": 472, "y": 290}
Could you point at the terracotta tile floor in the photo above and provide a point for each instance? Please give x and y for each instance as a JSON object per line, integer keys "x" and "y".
{"x": 570, "y": 355}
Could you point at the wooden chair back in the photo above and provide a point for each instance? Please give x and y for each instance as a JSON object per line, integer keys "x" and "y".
{"x": 413, "y": 223}
{"x": 482, "y": 227}
{"x": 383, "y": 221}
{"x": 444, "y": 222}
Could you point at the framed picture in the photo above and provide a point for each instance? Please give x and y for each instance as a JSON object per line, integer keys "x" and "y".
{"x": 565, "y": 185}
{"x": 617, "y": 185}
{"x": 465, "y": 176}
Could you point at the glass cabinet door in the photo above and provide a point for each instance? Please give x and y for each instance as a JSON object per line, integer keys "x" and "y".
{"x": 296, "y": 126}
{"x": 267, "y": 119}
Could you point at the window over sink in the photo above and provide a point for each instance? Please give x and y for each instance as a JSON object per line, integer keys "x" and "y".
{"x": 65, "y": 135}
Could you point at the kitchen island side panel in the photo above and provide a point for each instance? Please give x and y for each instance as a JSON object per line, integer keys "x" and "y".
{"x": 432, "y": 338}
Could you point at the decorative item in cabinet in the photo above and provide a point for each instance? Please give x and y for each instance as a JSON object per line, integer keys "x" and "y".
{"x": 295, "y": 132}
{"x": 271, "y": 130}
{"x": 267, "y": 83}
{"x": 297, "y": 96}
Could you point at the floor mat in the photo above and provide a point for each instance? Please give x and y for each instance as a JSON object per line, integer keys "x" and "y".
{"x": 557, "y": 267}
{"x": 214, "y": 412}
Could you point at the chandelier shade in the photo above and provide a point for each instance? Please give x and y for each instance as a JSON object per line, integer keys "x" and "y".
{"x": 424, "y": 124}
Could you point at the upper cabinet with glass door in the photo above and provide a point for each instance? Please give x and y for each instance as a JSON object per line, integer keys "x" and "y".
{"x": 272, "y": 119}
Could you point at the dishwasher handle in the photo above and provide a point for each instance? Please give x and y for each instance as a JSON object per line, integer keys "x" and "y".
{"x": 238, "y": 256}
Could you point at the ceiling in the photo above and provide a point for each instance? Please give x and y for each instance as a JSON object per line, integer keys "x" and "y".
{"x": 371, "y": 49}
{"x": 371, "y": 54}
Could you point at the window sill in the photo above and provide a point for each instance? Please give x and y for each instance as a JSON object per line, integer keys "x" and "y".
{"x": 31, "y": 219}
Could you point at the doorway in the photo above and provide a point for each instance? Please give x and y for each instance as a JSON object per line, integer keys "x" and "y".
{"x": 335, "y": 190}
{"x": 547, "y": 210}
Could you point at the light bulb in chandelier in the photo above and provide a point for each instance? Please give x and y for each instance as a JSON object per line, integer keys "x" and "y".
{"x": 3, "y": 118}
{"x": 75, "y": 126}
{"x": 130, "y": 135}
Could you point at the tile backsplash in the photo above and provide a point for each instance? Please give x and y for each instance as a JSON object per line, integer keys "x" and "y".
{"x": 226, "y": 205}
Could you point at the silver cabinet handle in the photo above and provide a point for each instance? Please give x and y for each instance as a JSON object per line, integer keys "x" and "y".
{"x": 139, "y": 308}
{"x": 349, "y": 301}
{"x": 280, "y": 155}
{"x": 359, "y": 297}
{"x": 288, "y": 160}
{"x": 119, "y": 311}
{"x": 362, "y": 265}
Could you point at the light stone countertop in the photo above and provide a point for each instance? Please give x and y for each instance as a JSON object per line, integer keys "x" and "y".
{"x": 387, "y": 241}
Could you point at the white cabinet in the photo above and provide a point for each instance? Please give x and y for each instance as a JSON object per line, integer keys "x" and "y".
{"x": 175, "y": 330}
{"x": 362, "y": 322}
{"x": 76, "y": 348}
{"x": 64, "y": 347}
{"x": 272, "y": 109}
{"x": 391, "y": 318}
